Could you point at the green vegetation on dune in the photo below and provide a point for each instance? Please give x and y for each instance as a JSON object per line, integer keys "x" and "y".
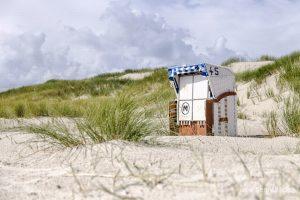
{"x": 72, "y": 98}
{"x": 288, "y": 68}
{"x": 233, "y": 60}
{"x": 266, "y": 58}
{"x": 291, "y": 115}
{"x": 99, "y": 101}
{"x": 100, "y": 85}
{"x": 119, "y": 118}
{"x": 128, "y": 110}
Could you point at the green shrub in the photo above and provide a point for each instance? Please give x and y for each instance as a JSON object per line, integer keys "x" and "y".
{"x": 127, "y": 71}
{"x": 39, "y": 109}
{"x": 242, "y": 115}
{"x": 20, "y": 110}
{"x": 266, "y": 58}
{"x": 66, "y": 109}
{"x": 6, "y": 112}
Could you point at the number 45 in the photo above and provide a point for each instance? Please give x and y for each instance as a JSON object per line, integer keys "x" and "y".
{"x": 214, "y": 70}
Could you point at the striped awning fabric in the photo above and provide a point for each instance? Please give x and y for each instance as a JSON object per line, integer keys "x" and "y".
{"x": 191, "y": 69}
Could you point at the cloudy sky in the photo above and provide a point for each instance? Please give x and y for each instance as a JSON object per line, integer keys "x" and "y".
{"x": 73, "y": 39}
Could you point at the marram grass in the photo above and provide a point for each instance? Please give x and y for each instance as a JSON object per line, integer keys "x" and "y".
{"x": 291, "y": 114}
{"x": 117, "y": 118}
{"x": 58, "y": 98}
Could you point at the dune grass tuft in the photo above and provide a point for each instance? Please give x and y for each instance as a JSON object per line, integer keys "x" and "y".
{"x": 56, "y": 132}
{"x": 40, "y": 109}
{"x": 20, "y": 110}
{"x": 118, "y": 118}
{"x": 272, "y": 124}
{"x": 291, "y": 114}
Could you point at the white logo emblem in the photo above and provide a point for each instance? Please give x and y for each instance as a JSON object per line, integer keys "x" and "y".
{"x": 185, "y": 108}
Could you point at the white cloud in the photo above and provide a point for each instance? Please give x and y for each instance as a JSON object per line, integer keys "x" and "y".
{"x": 251, "y": 26}
{"x": 220, "y": 52}
{"x": 20, "y": 57}
{"x": 144, "y": 39}
{"x": 73, "y": 39}
{"x": 136, "y": 39}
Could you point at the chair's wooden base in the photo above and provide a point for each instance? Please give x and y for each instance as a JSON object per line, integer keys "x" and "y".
{"x": 195, "y": 128}
{"x": 173, "y": 117}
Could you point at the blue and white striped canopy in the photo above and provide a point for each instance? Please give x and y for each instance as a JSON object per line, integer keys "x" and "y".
{"x": 191, "y": 69}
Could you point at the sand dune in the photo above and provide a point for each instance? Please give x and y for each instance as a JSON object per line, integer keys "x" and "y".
{"x": 245, "y": 66}
{"x": 158, "y": 167}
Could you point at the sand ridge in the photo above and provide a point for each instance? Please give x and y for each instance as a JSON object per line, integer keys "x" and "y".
{"x": 158, "y": 168}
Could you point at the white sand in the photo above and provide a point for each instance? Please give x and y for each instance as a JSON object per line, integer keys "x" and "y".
{"x": 245, "y": 66}
{"x": 164, "y": 168}
{"x": 136, "y": 76}
{"x": 82, "y": 97}
{"x": 254, "y": 99}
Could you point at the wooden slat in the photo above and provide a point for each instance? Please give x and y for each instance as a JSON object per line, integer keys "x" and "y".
{"x": 173, "y": 117}
{"x": 209, "y": 116}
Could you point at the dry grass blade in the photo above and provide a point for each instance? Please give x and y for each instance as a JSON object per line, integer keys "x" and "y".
{"x": 116, "y": 195}
{"x": 201, "y": 162}
{"x": 144, "y": 175}
{"x": 246, "y": 169}
{"x": 56, "y": 132}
